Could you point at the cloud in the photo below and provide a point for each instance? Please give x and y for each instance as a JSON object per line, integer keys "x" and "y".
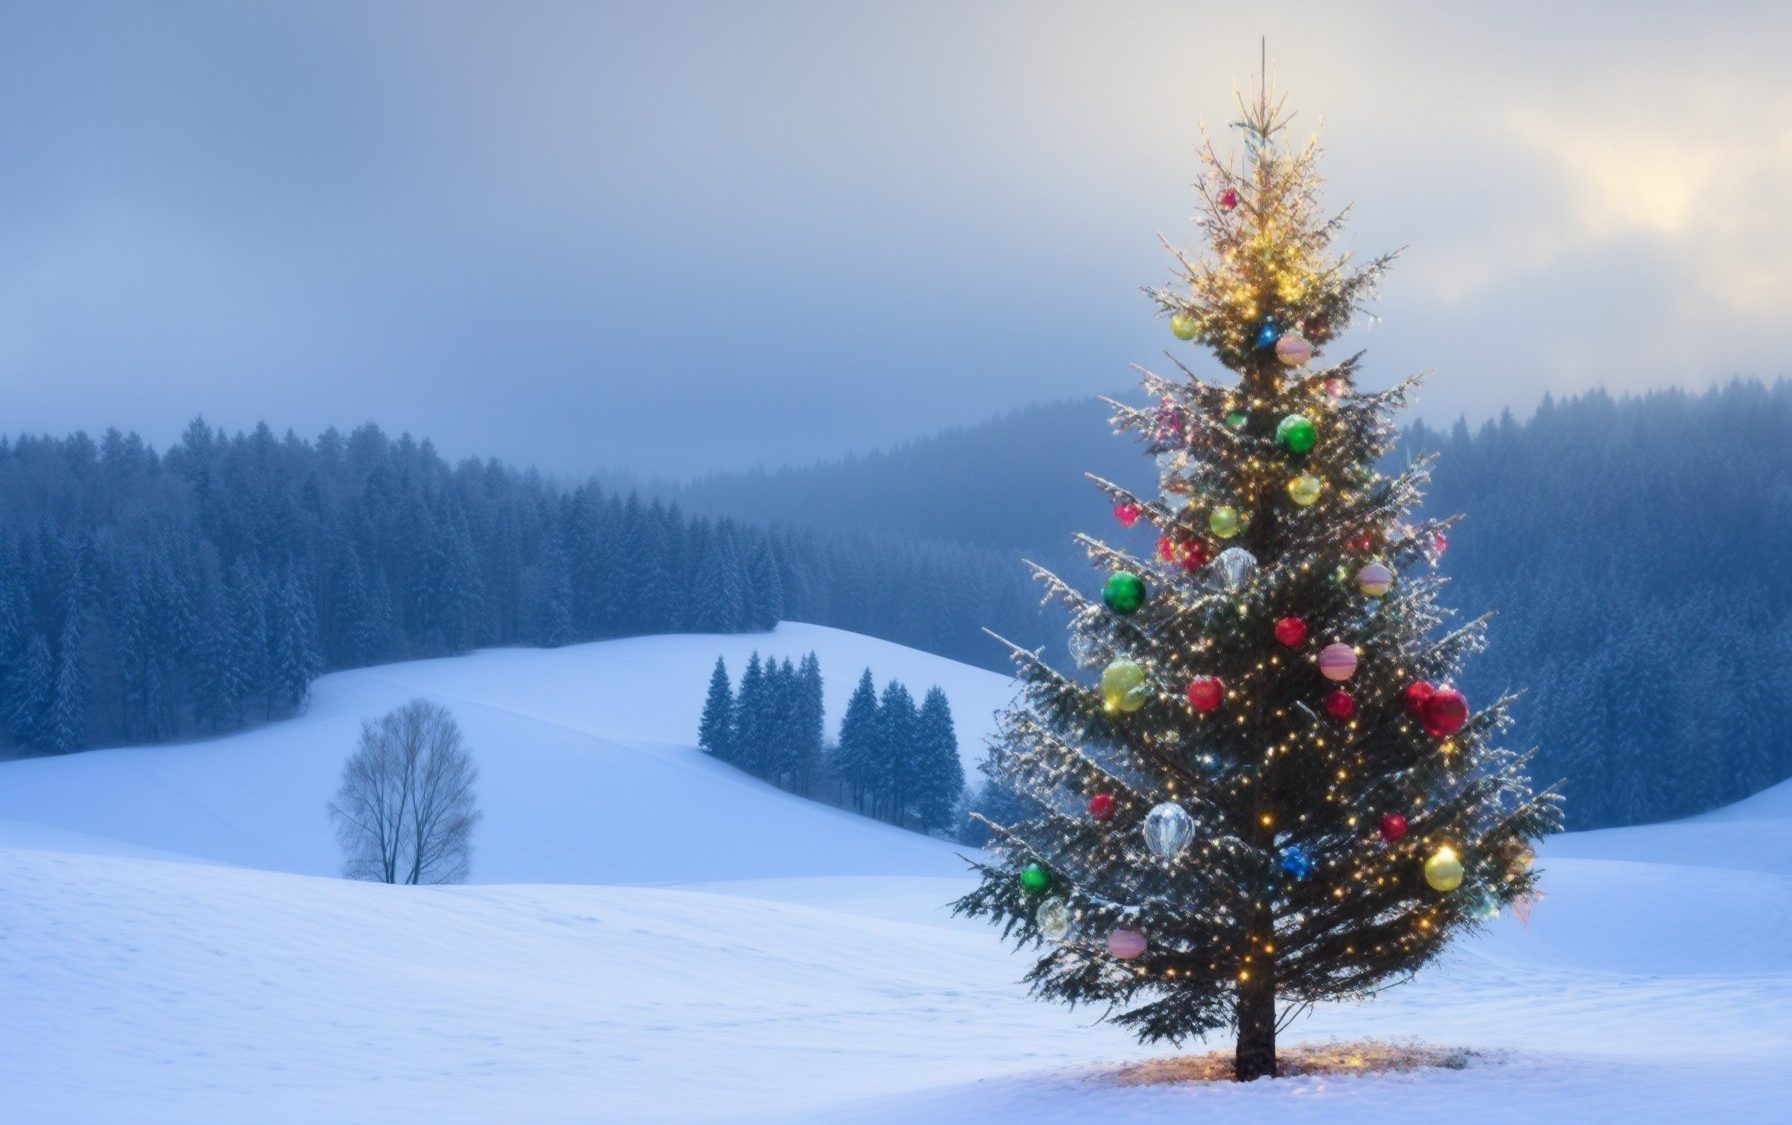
{"x": 701, "y": 236}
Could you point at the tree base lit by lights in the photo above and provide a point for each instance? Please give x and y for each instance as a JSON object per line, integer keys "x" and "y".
{"x": 1271, "y": 795}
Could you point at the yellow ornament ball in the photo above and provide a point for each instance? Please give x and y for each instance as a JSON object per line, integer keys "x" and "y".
{"x": 1123, "y": 686}
{"x": 1225, "y": 522}
{"x": 1182, "y": 326}
{"x": 1305, "y": 489}
{"x": 1444, "y": 869}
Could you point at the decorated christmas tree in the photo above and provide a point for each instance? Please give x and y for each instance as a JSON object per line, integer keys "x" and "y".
{"x": 1272, "y": 795}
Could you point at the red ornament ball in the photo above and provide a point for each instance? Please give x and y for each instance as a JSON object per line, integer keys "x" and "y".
{"x": 1393, "y": 827}
{"x": 1101, "y": 806}
{"x": 1445, "y": 712}
{"x": 1228, "y": 199}
{"x": 1416, "y": 694}
{"x": 1127, "y": 513}
{"x": 1291, "y": 630}
{"x": 1191, "y": 553}
{"x": 1205, "y": 693}
{"x": 1340, "y": 705}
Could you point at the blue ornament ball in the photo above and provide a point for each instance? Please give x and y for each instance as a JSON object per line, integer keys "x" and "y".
{"x": 1268, "y": 334}
{"x": 1295, "y": 861}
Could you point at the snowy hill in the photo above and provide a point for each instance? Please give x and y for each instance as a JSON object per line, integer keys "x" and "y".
{"x": 802, "y": 967}
{"x": 585, "y": 755}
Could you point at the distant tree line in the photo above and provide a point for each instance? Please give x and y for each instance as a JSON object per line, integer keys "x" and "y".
{"x": 1633, "y": 552}
{"x": 1633, "y": 549}
{"x": 893, "y": 760}
{"x": 145, "y": 596}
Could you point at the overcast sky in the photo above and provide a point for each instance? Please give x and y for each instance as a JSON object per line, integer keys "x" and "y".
{"x": 675, "y": 238}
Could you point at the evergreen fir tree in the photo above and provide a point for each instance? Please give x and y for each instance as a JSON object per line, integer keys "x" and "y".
{"x": 896, "y": 766}
{"x": 65, "y": 727}
{"x": 293, "y": 626}
{"x": 1258, "y": 805}
{"x": 777, "y": 718}
{"x": 30, "y": 683}
{"x": 349, "y": 607}
{"x": 857, "y": 749}
{"x": 765, "y": 588}
{"x": 247, "y": 663}
{"x": 718, "y": 606}
{"x": 554, "y": 625}
{"x": 749, "y": 718}
{"x": 715, "y": 731}
{"x": 939, "y": 774}
{"x": 808, "y": 725}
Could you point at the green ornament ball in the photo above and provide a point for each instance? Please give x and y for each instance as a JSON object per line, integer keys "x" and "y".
{"x": 1297, "y": 434}
{"x": 1237, "y": 420}
{"x": 1124, "y": 592}
{"x": 1182, "y": 326}
{"x": 1123, "y": 686}
{"x": 1225, "y": 522}
{"x": 1034, "y": 879}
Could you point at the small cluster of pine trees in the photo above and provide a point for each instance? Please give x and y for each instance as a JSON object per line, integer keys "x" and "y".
{"x": 773, "y": 727}
{"x": 893, "y": 761}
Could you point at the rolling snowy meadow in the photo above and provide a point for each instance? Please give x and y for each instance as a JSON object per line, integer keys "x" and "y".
{"x": 649, "y": 935}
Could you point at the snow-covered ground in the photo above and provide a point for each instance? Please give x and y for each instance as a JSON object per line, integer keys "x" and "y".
{"x": 587, "y": 760}
{"x": 173, "y": 950}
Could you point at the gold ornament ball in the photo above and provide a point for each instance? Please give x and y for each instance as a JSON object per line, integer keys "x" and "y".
{"x": 1182, "y": 326}
{"x": 1304, "y": 489}
{"x": 1444, "y": 869}
{"x": 1225, "y": 522}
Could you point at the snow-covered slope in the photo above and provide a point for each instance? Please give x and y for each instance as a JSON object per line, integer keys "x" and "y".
{"x": 802, "y": 969}
{"x": 587, "y": 768}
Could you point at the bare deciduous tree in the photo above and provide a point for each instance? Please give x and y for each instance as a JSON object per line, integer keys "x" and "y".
{"x": 405, "y": 812}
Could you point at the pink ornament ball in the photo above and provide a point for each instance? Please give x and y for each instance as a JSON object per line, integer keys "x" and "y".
{"x": 1337, "y": 662}
{"x": 1126, "y": 944}
{"x": 1293, "y": 350}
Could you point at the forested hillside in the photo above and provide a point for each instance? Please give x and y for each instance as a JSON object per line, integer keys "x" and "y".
{"x": 148, "y": 595}
{"x": 1634, "y": 553}
{"x": 1633, "y": 549}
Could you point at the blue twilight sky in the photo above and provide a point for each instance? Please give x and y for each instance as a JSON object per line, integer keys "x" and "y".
{"x": 682, "y": 237}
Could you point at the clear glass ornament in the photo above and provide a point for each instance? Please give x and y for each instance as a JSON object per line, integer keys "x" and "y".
{"x": 1233, "y": 570}
{"x": 1053, "y": 918}
{"x": 1168, "y": 829}
{"x": 1085, "y": 650}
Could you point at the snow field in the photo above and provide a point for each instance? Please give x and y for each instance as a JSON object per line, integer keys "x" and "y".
{"x": 655, "y": 937}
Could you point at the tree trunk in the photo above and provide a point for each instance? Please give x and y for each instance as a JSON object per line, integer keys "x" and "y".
{"x": 1256, "y": 1056}
{"x": 1256, "y": 1005}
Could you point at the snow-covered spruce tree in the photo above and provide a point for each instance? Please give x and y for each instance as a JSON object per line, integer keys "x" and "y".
{"x": 1274, "y": 797}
